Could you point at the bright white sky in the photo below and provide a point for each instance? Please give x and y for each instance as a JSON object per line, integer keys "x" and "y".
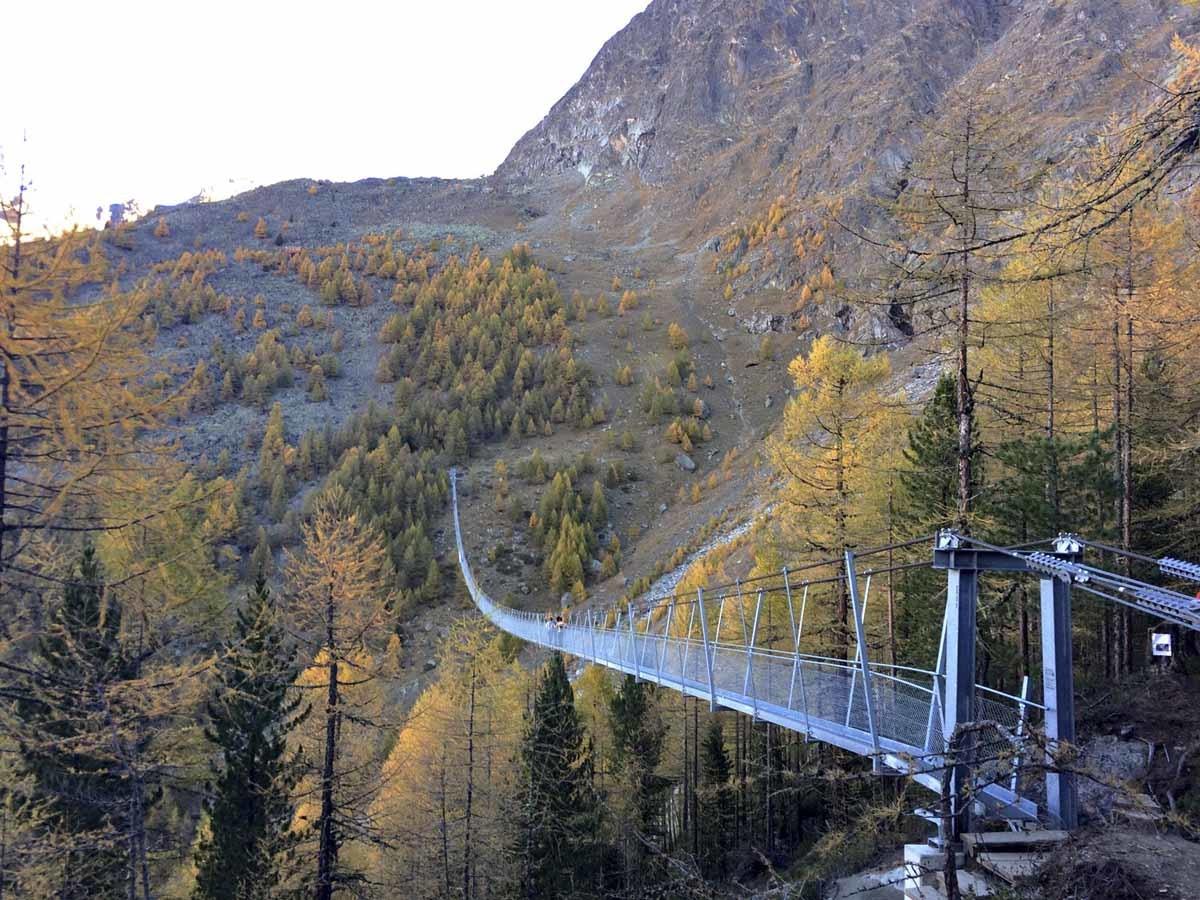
{"x": 156, "y": 100}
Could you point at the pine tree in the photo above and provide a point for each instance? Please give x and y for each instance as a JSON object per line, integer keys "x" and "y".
{"x": 270, "y": 454}
{"x": 677, "y": 338}
{"x": 77, "y": 407}
{"x": 64, "y": 743}
{"x": 261, "y": 561}
{"x": 638, "y": 734}
{"x": 930, "y": 481}
{"x": 598, "y": 508}
{"x": 318, "y": 391}
{"x": 251, "y": 713}
{"x": 341, "y": 594}
{"x": 826, "y": 453}
{"x": 279, "y": 496}
{"x": 557, "y": 821}
{"x": 929, "y": 490}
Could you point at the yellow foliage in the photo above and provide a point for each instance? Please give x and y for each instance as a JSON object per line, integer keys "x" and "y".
{"x": 677, "y": 338}
{"x": 459, "y": 740}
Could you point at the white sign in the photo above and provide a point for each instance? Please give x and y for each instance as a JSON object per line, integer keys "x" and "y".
{"x": 1160, "y": 644}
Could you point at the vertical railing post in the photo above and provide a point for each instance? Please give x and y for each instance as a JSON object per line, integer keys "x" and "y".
{"x": 708, "y": 652}
{"x": 646, "y": 642}
{"x": 742, "y": 612}
{"x": 748, "y": 685}
{"x": 863, "y": 655}
{"x": 666, "y": 640}
{"x": 797, "y": 665}
{"x": 687, "y": 645}
{"x": 937, "y": 705}
{"x": 614, "y": 640}
{"x": 637, "y": 672}
{"x": 787, "y": 590}
{"x": 592, "y": 629}
{"x": 716, "y": 641}
{"x": 857, "y": 655}
{"x": 1021, "y": 722}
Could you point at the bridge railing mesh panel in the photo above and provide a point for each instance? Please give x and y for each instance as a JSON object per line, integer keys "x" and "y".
{"x": 823, "y": 697}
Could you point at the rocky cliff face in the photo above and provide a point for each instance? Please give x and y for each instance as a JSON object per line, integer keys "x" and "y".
{"x": 686, "y": 77}
{"x": 739, "y": 95}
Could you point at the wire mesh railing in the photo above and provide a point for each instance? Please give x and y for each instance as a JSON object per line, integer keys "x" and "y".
{"x": 867, "y": 707}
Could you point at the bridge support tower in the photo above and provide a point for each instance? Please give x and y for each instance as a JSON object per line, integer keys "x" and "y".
{"x": 963, "y": 561}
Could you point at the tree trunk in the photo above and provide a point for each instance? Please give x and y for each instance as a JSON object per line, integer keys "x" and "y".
{"x": 5, "y": 398}
{"x": 466, "y": 875}
{"x": 327, "y": 851}
{"x": 963, "y": 397}
{"x": 1023, "y": 613}
{"x": 1127, "y": 486}
{"x": 840, "y": 539}
{"x": 1052, "y": 491}
{"x": 686, "y": 766}
{"x": 1118, "y": 402}
{"x": 444, "y": 825}
{"x": 695, "y": 774}
{"x": 770, "y": 818}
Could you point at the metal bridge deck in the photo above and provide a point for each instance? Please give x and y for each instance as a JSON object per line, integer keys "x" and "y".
{"x": 891, "y": 714}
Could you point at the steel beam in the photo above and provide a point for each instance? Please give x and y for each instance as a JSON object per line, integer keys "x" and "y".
{"x": 983, "y": 560}
{"x": 1058, "y": 695}
{"x": 962, "y": 598}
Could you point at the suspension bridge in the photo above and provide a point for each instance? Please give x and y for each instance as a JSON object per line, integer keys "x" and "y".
{"x": 966, "y": 741}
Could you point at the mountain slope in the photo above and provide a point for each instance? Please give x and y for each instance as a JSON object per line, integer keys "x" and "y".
{"x": 688, "y": 125}
{"x": 717, "y": 101}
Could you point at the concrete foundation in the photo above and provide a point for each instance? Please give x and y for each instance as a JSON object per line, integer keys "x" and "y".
{"x": 923, "y": 873}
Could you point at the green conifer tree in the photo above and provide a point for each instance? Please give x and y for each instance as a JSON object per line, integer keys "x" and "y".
{"x": 63, "y": 740}
{"x": 598, "y": 508}
{"x": 557, "y": 846}
{"x": 930, "y": 479}
{"x": 929, "y": 482}
{"x": 252, "y": 711}
{"x": 638, "y": 734}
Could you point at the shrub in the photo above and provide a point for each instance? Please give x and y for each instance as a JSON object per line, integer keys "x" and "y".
{"x": 677, "y": 338}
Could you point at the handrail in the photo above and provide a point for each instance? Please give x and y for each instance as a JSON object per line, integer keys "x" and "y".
{"x": 884, "y": 711}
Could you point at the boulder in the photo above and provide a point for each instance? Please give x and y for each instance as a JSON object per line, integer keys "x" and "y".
{"x": 685, "y": 462}
{"x": 1115, "y": 767}
{"x": 761, "y": 322}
